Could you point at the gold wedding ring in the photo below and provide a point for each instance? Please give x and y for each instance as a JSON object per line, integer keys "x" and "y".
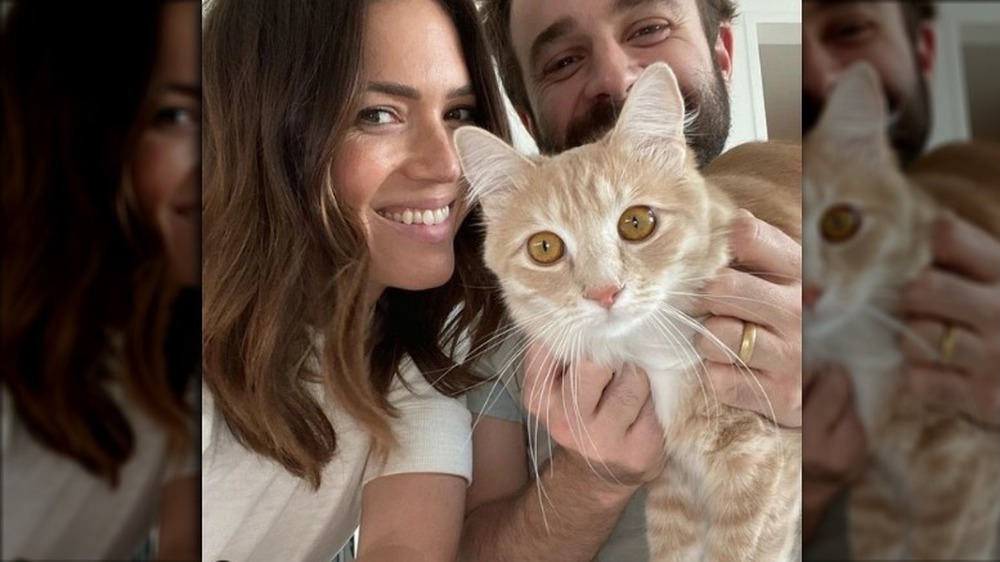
{"x": 748, "y": 341}
{"x": 948, "y": 344}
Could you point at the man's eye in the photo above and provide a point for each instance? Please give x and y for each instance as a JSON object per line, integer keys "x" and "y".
{"x": 649, "y": 30}
{"x": 560, "y": 65}
{"x": 852, "y": 32}
{"x": 376, "y": 116}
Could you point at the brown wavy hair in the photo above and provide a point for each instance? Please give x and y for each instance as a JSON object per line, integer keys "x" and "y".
{"x": 496, "y": 20}
{"x": 85, "y": 292}
{"x": 285, "y": 264}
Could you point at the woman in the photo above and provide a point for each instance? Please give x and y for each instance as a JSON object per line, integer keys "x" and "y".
{"x": 340, "y": 277}
{"x": 100, "y": 164}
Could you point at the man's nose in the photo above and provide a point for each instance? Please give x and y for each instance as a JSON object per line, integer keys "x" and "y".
{"x": 613, "y": 71}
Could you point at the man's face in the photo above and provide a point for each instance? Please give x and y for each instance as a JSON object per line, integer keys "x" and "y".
{"x": 835, "y": 35}
{"x": 579, "y": 58}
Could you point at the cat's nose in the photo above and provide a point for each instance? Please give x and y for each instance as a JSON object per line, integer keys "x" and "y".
{"x": 604, "y": 295}
{"x": 811, "y": 295}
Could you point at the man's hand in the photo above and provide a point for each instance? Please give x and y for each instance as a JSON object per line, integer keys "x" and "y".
{"x": 834, "y": 452}
{"x": 960, "y": 292}
{"x": 765, "y": 288}
{"x": 606, "y": 419}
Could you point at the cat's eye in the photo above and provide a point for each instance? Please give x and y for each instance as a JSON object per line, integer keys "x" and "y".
{"x": 637, "y": 223}
{"x": 840, "y": 223}
{"x": 545, "y": 248}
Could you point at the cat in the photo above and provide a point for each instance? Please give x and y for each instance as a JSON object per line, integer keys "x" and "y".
{"x": 931, "y": 489}
{"x": 604, "y": 248}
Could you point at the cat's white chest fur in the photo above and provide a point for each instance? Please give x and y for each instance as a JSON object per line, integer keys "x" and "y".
{"x": 671, "y": 366}
{"x": 869, "y": 353}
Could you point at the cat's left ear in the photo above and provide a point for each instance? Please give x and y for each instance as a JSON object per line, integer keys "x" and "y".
{"x": 492, "y": 168}
{"x": 652, "y": 119}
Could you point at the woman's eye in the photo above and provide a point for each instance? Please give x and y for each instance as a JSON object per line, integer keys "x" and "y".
{"x": 175, "y": 117}
{"x": 464, "y": 114}
{"x": 376, "y": 116}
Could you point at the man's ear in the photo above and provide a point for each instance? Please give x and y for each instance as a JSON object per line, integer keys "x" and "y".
{"x": 926, "y": 49}
{"x": 723, "y": 52}
{"x": 526, "y": 120}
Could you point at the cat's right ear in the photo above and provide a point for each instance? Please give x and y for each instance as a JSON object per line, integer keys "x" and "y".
{"x": 652, "y": 119}
{"x": 492, "y": 168}
{"x": 856, "y": 108}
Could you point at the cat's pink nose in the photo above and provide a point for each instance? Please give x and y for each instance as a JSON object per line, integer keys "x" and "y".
{"x": 811, "y": 295}
{"x": 604, "y": 295}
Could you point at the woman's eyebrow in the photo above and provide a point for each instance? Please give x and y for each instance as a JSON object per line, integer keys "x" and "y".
{"x": 409, "y": 92}
{"x": 185, "y": 89}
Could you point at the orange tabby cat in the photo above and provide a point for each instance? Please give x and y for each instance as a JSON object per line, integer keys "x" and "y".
{"x": 932, "y": 489}
{"x": 601, "y": 252}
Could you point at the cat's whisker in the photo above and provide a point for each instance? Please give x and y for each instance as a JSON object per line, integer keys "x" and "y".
{"x": 899, "y": 327}
{"x": 738, "y": 363}
{"x": 719, "y": 298}
{"x": 671, "y": 332}
{"x": 766, "y": 274}
{"x": 572, "y": 375}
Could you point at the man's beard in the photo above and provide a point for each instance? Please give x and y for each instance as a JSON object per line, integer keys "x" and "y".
{"x": 706, "y": 135}
{"x": 908, "y": 129}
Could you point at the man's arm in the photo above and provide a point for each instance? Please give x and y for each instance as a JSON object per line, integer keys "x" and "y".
{"x": 611, "y": 443}
{"x": 180, "y": 520}
{"x": 415, "y": 517}
{"x": 566, "y": 514}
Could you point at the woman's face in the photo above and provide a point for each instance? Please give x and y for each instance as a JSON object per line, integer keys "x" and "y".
{"x": 167, "y": 163}
{"x": 397, "y": 168}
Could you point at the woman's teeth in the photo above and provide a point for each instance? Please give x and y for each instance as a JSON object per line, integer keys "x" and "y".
{"x": 418, "y": 216}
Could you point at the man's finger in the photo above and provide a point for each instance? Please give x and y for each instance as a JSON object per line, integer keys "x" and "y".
{"x": 924, "y": 342}
{"x": 827, "y": 401}
{"x": 952, "y": 298}
{"x": 763, "y": 249}
{"x": 769, "y": 353}
{"x": 962, "y": 247}
{"x": 624, "y": 397}
{"x": 748, "y": 297}
{"x": 976, "y": 397}
{"x": 757, "y": 391}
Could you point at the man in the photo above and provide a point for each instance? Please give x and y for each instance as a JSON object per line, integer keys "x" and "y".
{"x": 568, "y": 66}
{"x": 961, "y": 290}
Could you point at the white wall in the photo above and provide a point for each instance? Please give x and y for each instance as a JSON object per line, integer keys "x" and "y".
{"x": 959, "y": 24}
{"x": 751, "y": 29}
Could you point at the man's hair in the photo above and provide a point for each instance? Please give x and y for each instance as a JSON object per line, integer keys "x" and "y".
{"x": 496, "y": 19}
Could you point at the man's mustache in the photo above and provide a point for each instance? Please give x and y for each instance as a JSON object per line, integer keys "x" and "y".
{"x": 594, "y": 124}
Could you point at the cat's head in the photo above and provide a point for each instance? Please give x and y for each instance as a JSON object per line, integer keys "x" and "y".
{"x": 595, "y": 243}
{"x": 864, "y": 226}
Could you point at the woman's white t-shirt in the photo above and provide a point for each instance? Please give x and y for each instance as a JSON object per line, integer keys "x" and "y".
{"x": 53, "y": 509}
{"x": 253, "y": 510}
